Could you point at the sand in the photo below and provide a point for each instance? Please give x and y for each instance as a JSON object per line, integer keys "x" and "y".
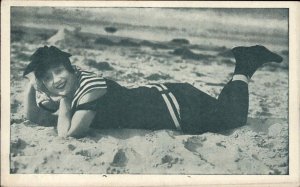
{"x": 260, "y": 147}
{"x": 37, "y": 149}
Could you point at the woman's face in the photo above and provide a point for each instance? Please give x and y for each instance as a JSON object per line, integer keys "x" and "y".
{"x": 59, "y": 81}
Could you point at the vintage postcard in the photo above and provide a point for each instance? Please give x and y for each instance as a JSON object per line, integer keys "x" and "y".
{"x": 141, "y": 93}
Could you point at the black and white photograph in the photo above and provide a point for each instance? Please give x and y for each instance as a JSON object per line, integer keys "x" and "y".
{"x": 149, "y": 90}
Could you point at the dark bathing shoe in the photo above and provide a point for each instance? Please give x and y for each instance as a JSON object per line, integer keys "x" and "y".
{"x": 249, "y": 59}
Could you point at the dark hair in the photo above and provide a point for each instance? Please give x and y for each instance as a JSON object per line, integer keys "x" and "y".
{"x": 45, "y": 58}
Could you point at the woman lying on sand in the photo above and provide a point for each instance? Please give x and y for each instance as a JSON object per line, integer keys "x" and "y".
{"x": 83, "y": 100}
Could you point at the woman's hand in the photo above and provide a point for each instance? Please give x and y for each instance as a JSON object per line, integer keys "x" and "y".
{"x": 36, "y": 84}
{"x": 33, "y": 82}
{"x": 31, "y": 111}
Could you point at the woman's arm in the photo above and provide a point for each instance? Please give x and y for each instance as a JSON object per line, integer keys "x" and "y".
{"x": 33, "y": 112}
{"x": 78, "y": 124}
{"x": 81, "y": 122}
{"x": 64, "y": 117}
{"x": 75, "y": 125}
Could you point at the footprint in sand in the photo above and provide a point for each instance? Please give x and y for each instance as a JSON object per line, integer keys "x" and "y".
{"x": 265, "y": 112}
{"x": 71, "y": 147}
{"x": 116, "y": 170}
{"x": 193, "y": 143}
{"x": 120, "y": 159}
{"x": 170, "y": 161}
{"x": 88, "y": 154}
{"x": 118, "y": 164}
{"x": 221, "y": 144}
{"x": 16, "y": 146}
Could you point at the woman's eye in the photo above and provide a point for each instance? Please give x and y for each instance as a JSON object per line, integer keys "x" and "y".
{"x": 46, "y": 78}
{"x": 59, "y": 70}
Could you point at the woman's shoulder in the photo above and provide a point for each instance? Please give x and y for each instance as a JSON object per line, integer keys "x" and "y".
{"x": 92, "y": 95}
{"x": 88, "y": 78}
{"x": 90, "y": 86}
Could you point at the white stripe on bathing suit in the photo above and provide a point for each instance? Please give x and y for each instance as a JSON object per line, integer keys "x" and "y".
{"x": 239, "y": 77}
{"x": 169, "y": 98}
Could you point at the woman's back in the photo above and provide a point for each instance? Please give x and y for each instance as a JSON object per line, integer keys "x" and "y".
{"x": 141, "y": 107}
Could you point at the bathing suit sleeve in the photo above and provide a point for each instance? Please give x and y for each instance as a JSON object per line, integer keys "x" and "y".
{"x": 87, "y": 81}
{"x": 92, "y": 105}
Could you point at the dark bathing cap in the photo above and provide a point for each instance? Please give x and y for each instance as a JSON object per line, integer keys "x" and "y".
{"x": 45, "y": 55}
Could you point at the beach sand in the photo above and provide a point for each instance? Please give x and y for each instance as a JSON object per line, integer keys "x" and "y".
{"x": 260, "y": 147}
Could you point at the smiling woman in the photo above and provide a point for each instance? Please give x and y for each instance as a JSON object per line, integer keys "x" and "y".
{"x": 58, "y": 79}
{"x": 83, "y": 100}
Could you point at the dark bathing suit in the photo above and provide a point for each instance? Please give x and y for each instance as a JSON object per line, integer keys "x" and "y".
{"x": 177, "y": 106}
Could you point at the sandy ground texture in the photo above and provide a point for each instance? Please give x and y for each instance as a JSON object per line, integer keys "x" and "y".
{"x": 260, "y": 147}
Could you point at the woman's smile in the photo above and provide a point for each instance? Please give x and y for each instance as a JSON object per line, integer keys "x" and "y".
{"x": 60, "y": 85}
{"x": 59, "y": 81}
